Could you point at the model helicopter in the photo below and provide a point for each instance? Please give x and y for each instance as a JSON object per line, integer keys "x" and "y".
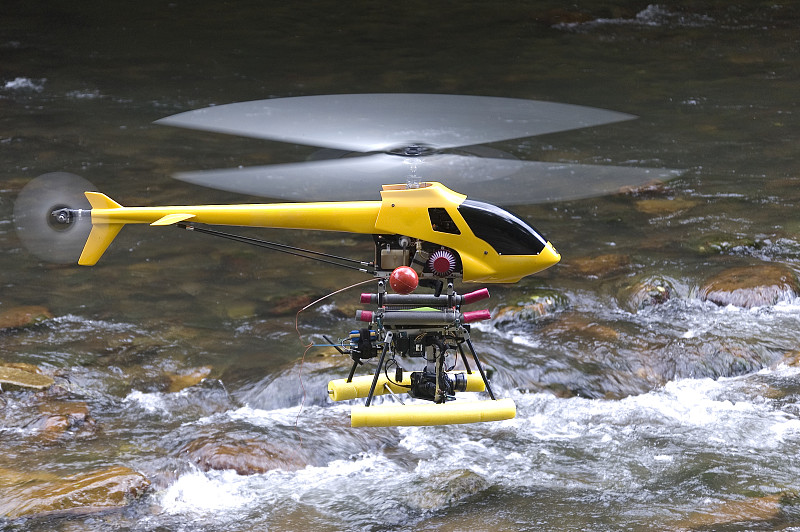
{"x": 425, "y": 234}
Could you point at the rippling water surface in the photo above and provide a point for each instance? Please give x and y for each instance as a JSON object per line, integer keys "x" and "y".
{"x": 662, "y": 412}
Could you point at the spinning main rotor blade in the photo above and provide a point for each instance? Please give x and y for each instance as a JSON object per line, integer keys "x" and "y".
{"x": 498, "y": 181}
{"x": 386, "y": 122}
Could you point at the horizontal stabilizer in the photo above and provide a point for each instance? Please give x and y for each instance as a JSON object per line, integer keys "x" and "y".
{"x": 172, "y": 219}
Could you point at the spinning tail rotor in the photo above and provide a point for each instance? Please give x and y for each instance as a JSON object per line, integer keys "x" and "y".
{"x": 51, "y": 216}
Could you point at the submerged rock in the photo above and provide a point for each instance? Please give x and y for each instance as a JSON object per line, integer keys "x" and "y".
{"x": 664, "y": 206}
{"x": 755, "y": 509}
{"x": 287, "y": 305}
{"x": 599, "y": 266}
{"x": 20, "y": 317}
{"x": 751, "y": 286}
{"x": 24, "y": 494}
{"x": 539, "y": 305}
{"x": 245, "y": 456}
{"x": 579, "y": 326}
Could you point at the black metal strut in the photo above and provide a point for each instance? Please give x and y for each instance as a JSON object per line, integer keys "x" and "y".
{"x": 327, "y": 258}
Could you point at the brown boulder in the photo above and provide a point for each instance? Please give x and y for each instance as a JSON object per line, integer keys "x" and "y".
{"x": 27, "y": 494}
{"x": 246, "y": 456}
{"x": 751, "y": 286}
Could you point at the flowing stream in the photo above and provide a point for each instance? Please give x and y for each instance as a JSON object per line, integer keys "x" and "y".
{"x": 641, "y": 404}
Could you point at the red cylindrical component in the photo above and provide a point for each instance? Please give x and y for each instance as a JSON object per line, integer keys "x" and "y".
{"x": 472, "y": 297}
{"x": 476, "y": 315}
{"x": 366, "y": 298}
{"x": 364, "y": 315}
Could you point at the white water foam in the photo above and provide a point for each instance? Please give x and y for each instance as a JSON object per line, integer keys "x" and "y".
{"x": 204, "y": 493}
{"x": 24, "y": 84}
{"x": 150, "y": 402}
{"x": 654, "y": 15}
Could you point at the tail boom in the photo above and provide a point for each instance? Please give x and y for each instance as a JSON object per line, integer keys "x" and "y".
{"x": 108, "y": 218}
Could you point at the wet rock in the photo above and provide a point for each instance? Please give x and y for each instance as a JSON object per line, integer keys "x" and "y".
{"x": 542, "y": 304}
{"x": 599, "y": 266}
{"x": 27, "y": 316}
{"x": 245, "y": 456}
{"x": 23, "y": 376}
{"x": 55, "y": 419}
{"x": 24, "y": 494}
{"x": 751, "y": 286}
{"x": 634, "y": 295}
{"x": 444, "y": 489}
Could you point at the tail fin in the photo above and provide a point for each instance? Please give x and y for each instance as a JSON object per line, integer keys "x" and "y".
{"x": 102, "y": 234}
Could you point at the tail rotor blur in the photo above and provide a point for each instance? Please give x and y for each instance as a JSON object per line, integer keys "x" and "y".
{"x": 51, "y": 216}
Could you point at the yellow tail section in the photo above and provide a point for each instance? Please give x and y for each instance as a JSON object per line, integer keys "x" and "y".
{"x": 102, "y": 233}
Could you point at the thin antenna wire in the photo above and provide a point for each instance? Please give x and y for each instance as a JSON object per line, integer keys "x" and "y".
{"x": 311, "y": 344}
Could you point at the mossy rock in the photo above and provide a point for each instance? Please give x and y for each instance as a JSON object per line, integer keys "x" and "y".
{"x": 716, "y": 244}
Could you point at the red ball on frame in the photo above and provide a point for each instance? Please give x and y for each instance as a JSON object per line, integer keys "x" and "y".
{"x": 403, "y": 280}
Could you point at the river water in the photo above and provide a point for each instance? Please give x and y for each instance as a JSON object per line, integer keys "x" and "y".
{"x": 676, "y": 415}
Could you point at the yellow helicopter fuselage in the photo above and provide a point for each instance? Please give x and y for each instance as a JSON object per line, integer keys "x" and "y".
{"x": 431, "y": 213}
